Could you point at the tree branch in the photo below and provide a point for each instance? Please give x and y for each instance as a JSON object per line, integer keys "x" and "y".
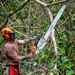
{"x": 48, "y": 10}
{"x": 54, "y": 41}
{"x": 10, "y": 14}
{"x": 55, "y": 3}
{"x": 40, "y": 2}
{"x": 39, "y": 70}
{"x": 44, "y": 70}
{"x": 55, "y": 47}
{"x": 50, "y": 15}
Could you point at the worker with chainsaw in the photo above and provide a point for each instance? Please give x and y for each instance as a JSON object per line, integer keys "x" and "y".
{"x": 11, "y": 51}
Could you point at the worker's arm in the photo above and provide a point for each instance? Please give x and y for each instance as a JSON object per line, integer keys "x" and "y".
{"x": 30, "y": 55}
{"x": 21, "y": 58}
{"x": 13, "y": 55}
{"x": 26, "y": 40}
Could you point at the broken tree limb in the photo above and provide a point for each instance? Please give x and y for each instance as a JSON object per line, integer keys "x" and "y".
{"x": 54, "y": 41}
{"x": 55, "y": 48}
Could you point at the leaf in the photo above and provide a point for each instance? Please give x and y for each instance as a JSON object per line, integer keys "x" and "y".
{"x": 70, "y": 33}
{"x": 34, "y": 63}
{"x": 65, "y": 60}
{"x": 43, "y": 58}
{"x": 69, "y": 72}
{"x": 64, "y": 65}
{"x": 44, "y": 25}
{"x": 51, "y": 65}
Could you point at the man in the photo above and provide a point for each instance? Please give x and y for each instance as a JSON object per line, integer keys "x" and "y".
{"x": 11, "y": 51}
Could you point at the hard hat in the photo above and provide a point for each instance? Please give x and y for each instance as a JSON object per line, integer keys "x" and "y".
{"x": 5, "y": 32}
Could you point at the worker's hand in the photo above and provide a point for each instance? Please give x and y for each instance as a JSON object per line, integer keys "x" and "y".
{"x": 34, "y": 37}
{"x": 31, "y": 39}
{"x": 30, "y": 55}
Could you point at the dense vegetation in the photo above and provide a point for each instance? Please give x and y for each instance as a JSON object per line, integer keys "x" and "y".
{"x": 32, "y": 20}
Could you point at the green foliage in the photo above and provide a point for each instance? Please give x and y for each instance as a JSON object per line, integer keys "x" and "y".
{"x": 49, "y": 1}
{"x": 69, "y": 72}
{"x": 1, "y": 39}
{"x": 32, "y": 20}
{"x": 44, "y": 25}
{"x": 55, "y": 72}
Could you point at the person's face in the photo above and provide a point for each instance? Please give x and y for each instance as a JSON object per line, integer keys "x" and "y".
{"x": 12, "y": 36}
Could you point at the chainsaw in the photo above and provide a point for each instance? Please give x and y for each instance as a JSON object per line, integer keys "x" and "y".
{"x": 40, "y": 43}
{"x": 33, "y": 47}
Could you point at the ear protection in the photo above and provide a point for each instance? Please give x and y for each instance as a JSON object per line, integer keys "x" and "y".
{"x": 5, "y": 35}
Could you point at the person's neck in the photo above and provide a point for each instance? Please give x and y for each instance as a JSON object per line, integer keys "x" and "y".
{"x": 10, "y": 41}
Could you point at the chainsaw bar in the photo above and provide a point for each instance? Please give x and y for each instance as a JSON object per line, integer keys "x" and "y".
{"x": 43, "y": 41}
